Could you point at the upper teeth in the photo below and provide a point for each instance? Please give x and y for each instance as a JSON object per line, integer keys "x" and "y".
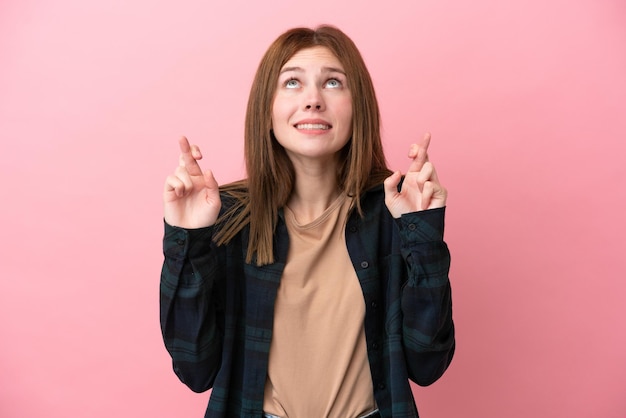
{"x": 312, "y": 126}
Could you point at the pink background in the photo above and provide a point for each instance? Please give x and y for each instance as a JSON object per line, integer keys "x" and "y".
{"x": 526, "y": 103}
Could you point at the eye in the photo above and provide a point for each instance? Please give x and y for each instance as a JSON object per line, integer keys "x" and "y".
{"x": 292, "y": 83}
{"x": 333, "y": 83}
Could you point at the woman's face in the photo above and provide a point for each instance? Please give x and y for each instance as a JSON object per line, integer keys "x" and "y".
{"x": 312, "y": 109}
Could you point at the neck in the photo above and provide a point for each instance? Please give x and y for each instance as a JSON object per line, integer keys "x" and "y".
{"x": 313, "y": 193}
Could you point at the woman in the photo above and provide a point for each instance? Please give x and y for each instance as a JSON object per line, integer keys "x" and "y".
{"x": 318, "y": 286}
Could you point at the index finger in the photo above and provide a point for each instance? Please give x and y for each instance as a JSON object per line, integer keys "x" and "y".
{"x": 419, "y": 153}
{"x": 187, "y": 158}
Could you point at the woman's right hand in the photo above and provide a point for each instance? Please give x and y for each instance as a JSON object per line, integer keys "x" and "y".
{"x": 191, "y": 198}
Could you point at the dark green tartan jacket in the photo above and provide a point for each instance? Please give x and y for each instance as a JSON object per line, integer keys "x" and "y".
{"x": 217, "y": 311}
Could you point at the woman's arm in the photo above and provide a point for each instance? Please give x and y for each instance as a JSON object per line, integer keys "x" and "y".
{"x": 428, "y": 329}
{"x": 192, "y": 319}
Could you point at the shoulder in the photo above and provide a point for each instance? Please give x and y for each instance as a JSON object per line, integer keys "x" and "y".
{"x": 373, "y": 197}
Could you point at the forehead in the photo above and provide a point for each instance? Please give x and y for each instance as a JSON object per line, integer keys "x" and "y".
{"x": 317, "y": 56}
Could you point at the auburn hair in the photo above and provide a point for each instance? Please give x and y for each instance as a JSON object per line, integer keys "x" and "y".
{"x": 256, "y": 200}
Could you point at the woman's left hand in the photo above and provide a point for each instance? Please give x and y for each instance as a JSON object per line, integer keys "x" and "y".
{"x": 420, "y": 190}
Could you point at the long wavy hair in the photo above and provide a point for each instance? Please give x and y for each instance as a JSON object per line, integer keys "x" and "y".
{"x": 257, "y": 199}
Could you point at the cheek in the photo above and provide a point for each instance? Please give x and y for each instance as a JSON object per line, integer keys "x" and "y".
{"x": 280, "y": 110}
{"x": 347, "y": 114}
{"x": 346, "y": 107}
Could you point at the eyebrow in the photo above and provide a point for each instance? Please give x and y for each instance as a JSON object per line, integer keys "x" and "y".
{"x": 324, "y": 69}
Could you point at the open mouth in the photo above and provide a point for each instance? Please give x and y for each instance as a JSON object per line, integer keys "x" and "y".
{"x": 313, "y": 126}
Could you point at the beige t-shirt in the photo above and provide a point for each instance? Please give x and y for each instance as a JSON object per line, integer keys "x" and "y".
{"x": 318, "y": 364}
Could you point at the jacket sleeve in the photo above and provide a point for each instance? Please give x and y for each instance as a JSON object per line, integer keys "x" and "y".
{"x": 428, "y": 330}
{"x": 191, "y": 315}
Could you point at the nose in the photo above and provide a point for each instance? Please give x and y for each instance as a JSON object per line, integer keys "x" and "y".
{"x": 314, "y": 100}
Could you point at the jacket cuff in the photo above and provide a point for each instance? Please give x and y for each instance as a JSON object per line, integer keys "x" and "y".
{"x": 181, "y": 242}
{"x": 423, "y": 226}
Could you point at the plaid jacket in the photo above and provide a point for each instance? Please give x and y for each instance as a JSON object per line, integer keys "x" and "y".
{"x": 217, "y": 311}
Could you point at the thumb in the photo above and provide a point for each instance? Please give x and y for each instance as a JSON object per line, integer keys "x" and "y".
{"x": 209, "y": 180}
{"x": 391, "y": 185}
